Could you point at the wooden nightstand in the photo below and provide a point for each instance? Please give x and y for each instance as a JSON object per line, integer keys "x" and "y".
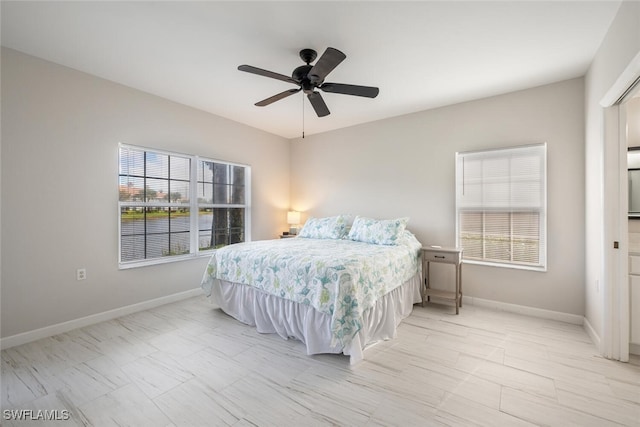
{"x": 448, "y": 256}
{"x": 288, "y": 236}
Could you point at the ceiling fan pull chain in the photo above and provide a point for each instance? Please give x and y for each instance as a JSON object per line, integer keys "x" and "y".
{"x": 303, "y": 115}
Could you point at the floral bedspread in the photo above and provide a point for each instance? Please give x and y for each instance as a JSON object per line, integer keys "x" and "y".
{"x": 341, "y": 278}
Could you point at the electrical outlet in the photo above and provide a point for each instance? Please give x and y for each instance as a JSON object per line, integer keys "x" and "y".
{"x": 81, "y": 274}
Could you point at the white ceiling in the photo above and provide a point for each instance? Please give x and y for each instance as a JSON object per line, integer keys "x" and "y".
{"x": 420, "y": 54}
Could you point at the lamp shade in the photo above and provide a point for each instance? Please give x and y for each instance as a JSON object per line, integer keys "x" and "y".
{"x": 293, "y": 217}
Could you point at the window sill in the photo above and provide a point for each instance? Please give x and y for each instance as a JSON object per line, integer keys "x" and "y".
{"x": 541, "y": 269}
{"x": 165, "y": 260}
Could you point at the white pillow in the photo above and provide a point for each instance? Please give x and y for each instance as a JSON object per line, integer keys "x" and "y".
{"x": 333, "y": 227}
{"x": 378, "y": 231}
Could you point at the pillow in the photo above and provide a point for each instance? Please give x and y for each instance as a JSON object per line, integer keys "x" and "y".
{"x": 378, "y": 231}
{"x": 333, "y": 227}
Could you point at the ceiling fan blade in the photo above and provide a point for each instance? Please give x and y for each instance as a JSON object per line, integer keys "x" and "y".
{"x": 265, "y": 73}
{"x": 366, "y": 91}
{"x": 318, "y": 104}
{"x": 327, "y": 62}
{"x": 277, "y": 97}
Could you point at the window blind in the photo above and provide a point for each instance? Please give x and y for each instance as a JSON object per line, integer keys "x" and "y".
{"x": 501, "y": 206}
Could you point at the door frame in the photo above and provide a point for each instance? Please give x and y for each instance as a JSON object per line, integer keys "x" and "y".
{"x": 616, "y": 315}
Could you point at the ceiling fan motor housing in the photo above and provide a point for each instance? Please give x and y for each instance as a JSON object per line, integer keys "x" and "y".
{"x": 301, "y": 75}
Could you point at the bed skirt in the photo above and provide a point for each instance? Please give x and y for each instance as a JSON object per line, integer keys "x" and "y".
{"x": 271, "y": 314}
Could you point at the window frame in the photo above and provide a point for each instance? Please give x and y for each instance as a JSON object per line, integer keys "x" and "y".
{"x": 193, "y": 205}
{"x": 203, "y": 205}
{"x": 542, "y": 210}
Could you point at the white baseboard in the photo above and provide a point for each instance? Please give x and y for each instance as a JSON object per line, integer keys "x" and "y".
{"x": 546, "y": 314}
{"x": 595, "y": 338}
{"x": 522, "y": 309}
{"x": 48, "y": 331}
{"x": 60, "y": 328}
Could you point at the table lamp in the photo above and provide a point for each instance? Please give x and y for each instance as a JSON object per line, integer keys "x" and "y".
{"x": 293, "y": 219}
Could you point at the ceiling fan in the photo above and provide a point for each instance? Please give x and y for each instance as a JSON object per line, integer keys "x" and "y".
{"x": 311, "y": 77}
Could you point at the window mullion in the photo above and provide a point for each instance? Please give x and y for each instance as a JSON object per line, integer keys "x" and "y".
{"x": 169, "y": 209}
{"x": 144, "y": 210}
{"x": 194, "y": 164}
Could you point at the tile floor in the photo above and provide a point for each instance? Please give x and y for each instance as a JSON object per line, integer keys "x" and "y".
{"x": 188, "y": 364}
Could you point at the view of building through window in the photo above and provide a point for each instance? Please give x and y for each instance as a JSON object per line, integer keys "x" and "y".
{"x": 176, "y": 205}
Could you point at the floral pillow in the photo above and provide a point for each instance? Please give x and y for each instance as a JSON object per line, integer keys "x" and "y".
{"x": 333, "y": 227}
{"x": 377, "y": 231}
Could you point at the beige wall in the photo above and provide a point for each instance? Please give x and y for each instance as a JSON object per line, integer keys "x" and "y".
{"x": 633, "y": 122}
{"x": 405, "y": 166}
{"x": 60, "y": 130}
{"x": 60, "y": 134}
{"x": 619, "y": 47}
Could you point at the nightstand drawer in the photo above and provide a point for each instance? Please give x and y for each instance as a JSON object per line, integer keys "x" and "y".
{"x": 441, "y": 256}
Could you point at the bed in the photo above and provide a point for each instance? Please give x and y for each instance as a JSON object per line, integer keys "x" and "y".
{"x": 336, "y": 292}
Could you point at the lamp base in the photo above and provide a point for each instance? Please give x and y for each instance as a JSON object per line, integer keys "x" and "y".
{"x": 293, "y": 230}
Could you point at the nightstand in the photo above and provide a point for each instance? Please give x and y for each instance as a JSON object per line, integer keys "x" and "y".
{"x": 288, "y": 236}
{"x": 448, "y": 256}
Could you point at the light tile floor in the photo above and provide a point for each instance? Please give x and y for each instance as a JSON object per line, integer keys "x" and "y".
{"x": 188, "y": 364}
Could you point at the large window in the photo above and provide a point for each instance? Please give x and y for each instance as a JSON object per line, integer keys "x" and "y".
{"x": 501, "y": 206}
{"x": 173, "y": 206}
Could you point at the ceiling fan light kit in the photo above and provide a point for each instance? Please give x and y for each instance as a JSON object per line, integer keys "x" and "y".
{"x": 309, "y": 77}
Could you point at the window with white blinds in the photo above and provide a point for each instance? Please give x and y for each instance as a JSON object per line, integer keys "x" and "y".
{"x": 501, "y": 206}
{"x": 173, "y": 206}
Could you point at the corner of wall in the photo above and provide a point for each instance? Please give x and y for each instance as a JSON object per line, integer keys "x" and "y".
{"x": 595, "y": 338}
